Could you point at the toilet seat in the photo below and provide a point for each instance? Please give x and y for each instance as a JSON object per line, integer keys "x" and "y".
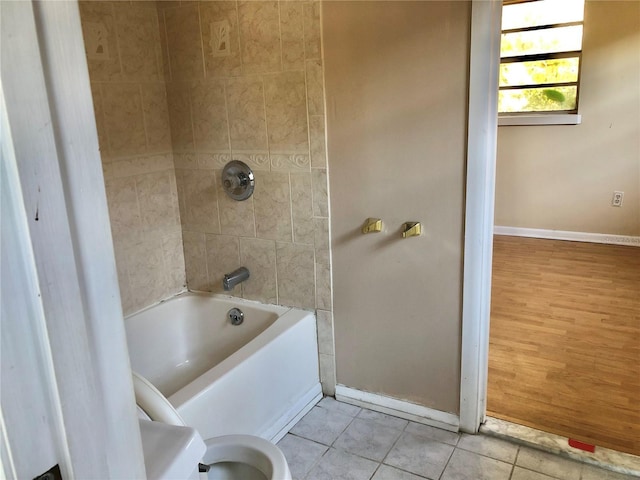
{"x": 249, "y": 450}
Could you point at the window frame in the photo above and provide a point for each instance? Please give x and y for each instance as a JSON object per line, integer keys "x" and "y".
{"x": 552, "y": 117}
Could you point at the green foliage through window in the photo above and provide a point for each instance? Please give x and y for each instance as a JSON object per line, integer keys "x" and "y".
{"x": 541, "y": 50}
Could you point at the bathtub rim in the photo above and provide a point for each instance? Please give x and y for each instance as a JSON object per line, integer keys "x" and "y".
{"x": 279, "y": 309}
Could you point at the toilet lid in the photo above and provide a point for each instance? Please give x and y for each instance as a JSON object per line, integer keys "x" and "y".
{"x": 154, "y": 403}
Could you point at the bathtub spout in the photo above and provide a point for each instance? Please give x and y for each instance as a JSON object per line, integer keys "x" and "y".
{"x": 232, "y": 279}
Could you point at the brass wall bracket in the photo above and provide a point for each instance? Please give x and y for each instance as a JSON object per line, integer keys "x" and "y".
{"x": 372, "y": 225}
{"x": 411, "y": 229}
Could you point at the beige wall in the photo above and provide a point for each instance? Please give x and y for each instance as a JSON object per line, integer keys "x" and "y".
{"x": 396, "y": 78}
{"x": 261, "y": 102}
{"x": 127, "y": 81}
{"x": 563, "y": 177}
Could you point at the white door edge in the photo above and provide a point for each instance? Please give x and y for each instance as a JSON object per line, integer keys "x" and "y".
{"x": 480, "y": 193}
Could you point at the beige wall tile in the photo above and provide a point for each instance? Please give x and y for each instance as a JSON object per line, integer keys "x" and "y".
{"x": 292, "y": 32}
{"x": 328, "y": 374}
{"x": 259, "y": 36}
{"x": 324, "y": 321}
{"x": 195, "y": 260}
{"x": 259, "y": 256}
{"x": 302, "y": 208}
{"x": 220, "y": 38}
{"x": 138, "y": 41}
{"x": 255, "y": 160}
{"x": 209, "y": 111}
{"x": 247, "y": 122}
{"x": 126, "y": 294}
{"x": 101, "y": 46}
{"x": 156, "y": 117}
{"x": 174, "y": 261}
{"x": 290, "y": 162}
{"x": 200, "y": 197}
{"x": 179, "y": 103}
{"x": 236, "y": 218}
{"x": 286, "y": 112}
{"x": 138, "y": 165}
{"x": 185, "y": 44}
{"x": 103, "y": 141}
{"x": 185, "y": 160}
{"x": 315, "y": 87}
{"x": 191, "y": 119}
{"x": 182, "y": 207}
{"x": 122, "y": 200}
{"x": 323, "y": 286}
{"x": 296, "y": 285}
{"x": 157, "y": 199}
{"x": 223, "y": 256}
{"x": 312, "y": 43}
{"x": 147, "y": 276}
{"x": 273, "y": 206}
{"x": 213, "y": 161}
{"x": 124, "y": 121}
{"x": 122, "y": 43}
{"x": 317, "y": 141}
{"x": 320, "y": 197}
{"x": 321, "y": 239}
{"x": 164, "y": 45}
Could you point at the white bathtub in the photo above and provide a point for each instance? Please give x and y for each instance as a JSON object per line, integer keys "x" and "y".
{"x": 257, "y": 378}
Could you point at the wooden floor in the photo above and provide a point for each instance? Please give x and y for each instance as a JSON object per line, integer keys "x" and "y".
{"x": 564, "y": 353}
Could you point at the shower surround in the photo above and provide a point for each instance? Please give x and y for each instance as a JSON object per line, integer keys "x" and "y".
{"x": 180, "y": 89}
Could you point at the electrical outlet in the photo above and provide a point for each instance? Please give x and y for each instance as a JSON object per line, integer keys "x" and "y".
{"x": 616, "y": 201}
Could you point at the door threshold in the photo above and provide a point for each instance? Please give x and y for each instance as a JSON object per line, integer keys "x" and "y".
{"x": 549, "y": 442}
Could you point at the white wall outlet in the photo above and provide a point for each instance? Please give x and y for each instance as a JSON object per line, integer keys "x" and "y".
{"x": 616, "y": 201}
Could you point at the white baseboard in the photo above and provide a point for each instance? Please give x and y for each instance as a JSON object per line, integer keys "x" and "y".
{"x": 298, "y": 410}
{"x": 398, "y": 408}
{"x": 630, "y": 241}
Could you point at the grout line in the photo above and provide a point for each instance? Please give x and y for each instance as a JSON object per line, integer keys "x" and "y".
{"x": 225, "y": 91}
{"x": 315, "y": 464}
{"x": 240, "y": 56}
{"x": 166, "y": 38}
{"x": 293, "y": 230}
{"x": 115, "y": 24}
{"x": 280, "y": 36}
{"x": 144, "y": 119}
{"x": 204, "y": 62}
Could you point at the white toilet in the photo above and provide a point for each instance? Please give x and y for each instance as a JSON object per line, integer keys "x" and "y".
{"x": 229, "y": 457}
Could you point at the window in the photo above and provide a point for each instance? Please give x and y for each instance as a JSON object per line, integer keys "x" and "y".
{"x": 540, "y": 57}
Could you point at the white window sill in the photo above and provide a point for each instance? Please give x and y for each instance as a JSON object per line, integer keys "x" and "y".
{"x": 553, "y": 119}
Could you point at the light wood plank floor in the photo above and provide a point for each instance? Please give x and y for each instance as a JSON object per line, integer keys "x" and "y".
{"x": 564, "y": 353}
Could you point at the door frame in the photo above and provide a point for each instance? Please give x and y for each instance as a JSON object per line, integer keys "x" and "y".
{"x": 50, "y": 144}
{"x": 480, "y": 195}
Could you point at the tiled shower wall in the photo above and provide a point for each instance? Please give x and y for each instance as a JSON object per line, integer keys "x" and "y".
{"x": 180, "y": 89}
{"x": 245, "y": 82}
{"x": 122, "y": 42}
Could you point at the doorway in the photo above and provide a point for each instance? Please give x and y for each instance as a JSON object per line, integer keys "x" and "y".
{"x": 565, "y": 339}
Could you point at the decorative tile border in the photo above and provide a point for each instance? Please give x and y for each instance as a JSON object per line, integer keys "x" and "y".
{"x": 255, "y": 160}
{"x": 290, "y": 162}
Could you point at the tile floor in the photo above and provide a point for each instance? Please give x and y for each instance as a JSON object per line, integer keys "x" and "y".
{"x": 337, "y": 441}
